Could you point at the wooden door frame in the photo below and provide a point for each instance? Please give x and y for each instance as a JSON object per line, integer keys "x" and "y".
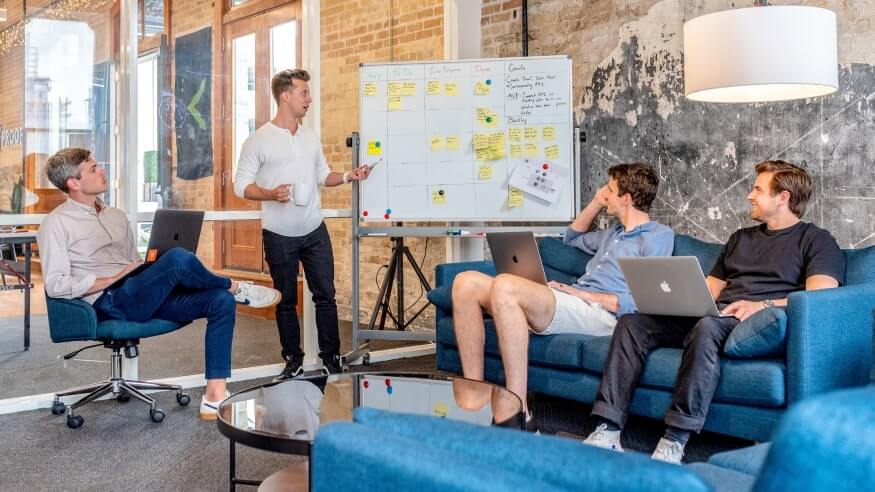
{"x": 225, "y": 14}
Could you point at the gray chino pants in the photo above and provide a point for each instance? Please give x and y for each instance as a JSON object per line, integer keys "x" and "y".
{"x": 635, "y": 336}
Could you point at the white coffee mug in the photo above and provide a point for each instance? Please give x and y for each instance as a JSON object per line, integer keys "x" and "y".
{"x": 302, "y": 193}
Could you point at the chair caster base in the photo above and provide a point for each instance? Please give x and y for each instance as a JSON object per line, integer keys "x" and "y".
{"x": 156, "y": 415}
{"x": 75, "y": 421}
{"x": 58, "y": 408}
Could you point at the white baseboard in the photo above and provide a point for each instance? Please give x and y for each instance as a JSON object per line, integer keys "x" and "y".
{"x": 35, "y": 402}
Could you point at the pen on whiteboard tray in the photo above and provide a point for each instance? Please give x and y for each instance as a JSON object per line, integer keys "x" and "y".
{"x": 376, "y": 234}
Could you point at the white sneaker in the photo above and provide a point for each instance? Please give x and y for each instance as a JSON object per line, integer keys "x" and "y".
{"x": 603, "y": 438}
{"x": 209, "y": 409}
{"x": 668, "y": 451}
{"x": 256, "y": 296}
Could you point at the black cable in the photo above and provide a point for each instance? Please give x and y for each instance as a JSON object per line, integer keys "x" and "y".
{"x": 421, "y": 290}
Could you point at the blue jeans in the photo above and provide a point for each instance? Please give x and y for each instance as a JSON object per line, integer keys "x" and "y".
{"x": 313, "y": 250}
{"x": 178, "y": 288}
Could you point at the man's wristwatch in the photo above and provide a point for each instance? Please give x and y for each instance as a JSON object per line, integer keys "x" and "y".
{"x": 346, "y": 177}
{"x": 769, "y": 303}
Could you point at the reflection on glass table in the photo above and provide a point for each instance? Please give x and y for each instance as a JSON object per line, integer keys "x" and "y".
{"x": 285, "y": 416}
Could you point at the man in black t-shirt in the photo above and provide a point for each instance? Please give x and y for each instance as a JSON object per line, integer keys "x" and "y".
{"x": 758, "y": 267}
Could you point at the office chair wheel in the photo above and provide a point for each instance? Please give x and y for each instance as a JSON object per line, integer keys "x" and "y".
{"x": 156, "y": 415}
{"x": 75, "y": 421}
{"x": 183, "y": 399}
{"x": 58, "y": 408}
{"x": 123, "y": 397}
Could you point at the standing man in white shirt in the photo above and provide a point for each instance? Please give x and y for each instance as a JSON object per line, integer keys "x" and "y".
{"x": 282, "y": 165}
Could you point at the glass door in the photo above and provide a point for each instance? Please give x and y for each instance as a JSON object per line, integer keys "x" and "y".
{"x": 256, "y": 47}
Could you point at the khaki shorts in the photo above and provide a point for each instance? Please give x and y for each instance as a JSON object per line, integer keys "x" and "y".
{"x": 574, "y": 315}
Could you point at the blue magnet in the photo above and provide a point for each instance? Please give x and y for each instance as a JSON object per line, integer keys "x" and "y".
{"x": 488, "y": 81}
{"x": 389, "y": 389}
{"x": 388, "y": 210}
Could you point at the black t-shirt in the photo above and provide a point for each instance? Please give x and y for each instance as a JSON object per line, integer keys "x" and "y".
{"x": 758, "y": 264}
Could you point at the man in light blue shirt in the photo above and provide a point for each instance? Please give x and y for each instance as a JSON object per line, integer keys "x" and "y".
{"x": 591, "y": 306}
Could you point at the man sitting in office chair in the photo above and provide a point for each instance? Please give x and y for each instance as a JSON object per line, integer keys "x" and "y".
{"x": 85, "y": 246}
{"x": 590, "y": 306}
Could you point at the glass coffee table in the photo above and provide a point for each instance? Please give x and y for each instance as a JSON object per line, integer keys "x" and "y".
{"x": 284, "y": 417}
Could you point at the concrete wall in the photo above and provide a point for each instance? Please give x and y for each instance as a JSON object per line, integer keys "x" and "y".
{"x": 628, "y": 86}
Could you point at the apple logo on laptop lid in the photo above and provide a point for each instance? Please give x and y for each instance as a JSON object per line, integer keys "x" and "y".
{"x": 665, "y": 287}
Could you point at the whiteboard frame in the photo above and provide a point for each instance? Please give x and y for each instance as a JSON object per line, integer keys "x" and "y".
{"x": 573, "y": 149}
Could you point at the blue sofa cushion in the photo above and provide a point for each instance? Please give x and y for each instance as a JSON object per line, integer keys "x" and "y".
{"x": 745, "y": 460}
{"x": 562, "y": 259}
{"x": 763, "y": 334}
{"x": 552, "y": 460}
{"x": 707, "y": 253}
{"x": 721, "y": 479}
{"x": 442, "y": 297}
{"x": 824, "y": 443}
{"x": 747, "y": 382}
{"x": 861, "y": 265}
{"x": 562, "y": 350}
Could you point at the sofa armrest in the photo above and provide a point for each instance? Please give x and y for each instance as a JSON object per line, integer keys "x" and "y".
{"x": 446, "y": 272}
{"x": 351, "y": 456}
{"x": 71, "y": 320}
{"x": 571, "y": 465}
{"x": 829, "y": 339}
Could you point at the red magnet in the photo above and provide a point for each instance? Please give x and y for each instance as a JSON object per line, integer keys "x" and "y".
{"x": 365, "y": 384}
{"x": 545, "y": 166}
{"x": 385, "y": 216}
{"x": 365, "y": 213}
{"x": 388, "y": 382}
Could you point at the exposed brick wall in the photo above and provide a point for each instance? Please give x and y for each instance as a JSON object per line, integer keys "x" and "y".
{"x": 353, "y": 33}
{"x": 501, "y": 35}
{"x": 189, "y": 16}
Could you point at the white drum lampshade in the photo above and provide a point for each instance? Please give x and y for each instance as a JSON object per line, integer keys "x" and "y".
{"x": 761, "y": 54}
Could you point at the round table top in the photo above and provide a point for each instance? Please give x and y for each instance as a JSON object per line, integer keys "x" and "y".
{"x": 284, "y": 416}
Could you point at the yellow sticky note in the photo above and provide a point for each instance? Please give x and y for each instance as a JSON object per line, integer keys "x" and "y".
{"x": 394, "y": 103}
{"x": 451, "y": 88}
{"x": 552, "y": 152}
{"x": 531, "y": 149}
{"x": 485, "y": 171}
{"x": 515, "y": 198}
{"x": 481, "y": 140}
{"x": 531, "y": 133}
{"x": 452, "y": 143}
{"x": 496, "y": 145}
{"x": 515, "y": 134}
{"x": 516, "y": 150}
{"x": 394, "y": 89}
{"x": 374, "y": 147}
{"x": 438, "y": 197}
{"x": 481, "y": 154}
{"x": 481, "y": 89}
{"x": 408, "y": 88}
{"x": 548, "y": 133}
{"x": 486, "y": 117}
{"x": 441, "y": 409}
{"x": 433, "y": 88}
{"x": 370, "y": 89}
{"x": 437, "y": 144}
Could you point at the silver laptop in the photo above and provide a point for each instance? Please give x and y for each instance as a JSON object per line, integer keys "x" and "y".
{"x": 669, "y": 286}
{"x": 517, "y": 253}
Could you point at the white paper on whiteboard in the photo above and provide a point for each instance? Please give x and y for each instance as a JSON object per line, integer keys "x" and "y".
{"x": 533, "y": 179}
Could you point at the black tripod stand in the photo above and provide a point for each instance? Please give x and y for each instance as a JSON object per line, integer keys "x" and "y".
{"x": 396, "y": 271}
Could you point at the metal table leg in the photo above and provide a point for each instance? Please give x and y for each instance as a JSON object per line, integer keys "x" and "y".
{"x": 26, "y": 296}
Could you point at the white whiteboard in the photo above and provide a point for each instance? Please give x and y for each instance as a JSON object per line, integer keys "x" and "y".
{"x": 448, "y": 138}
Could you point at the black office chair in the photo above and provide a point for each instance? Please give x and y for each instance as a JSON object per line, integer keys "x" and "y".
{"x": 76, "y": 320}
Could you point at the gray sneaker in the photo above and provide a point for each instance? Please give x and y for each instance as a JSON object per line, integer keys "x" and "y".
{"x": 256, "y": 296}
{"x": 668, "y": 451}
{"x": 603, "y": 438}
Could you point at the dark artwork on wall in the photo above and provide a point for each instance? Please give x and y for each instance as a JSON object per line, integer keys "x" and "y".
{"x": 192, "y": 118}
{"x": 634, "y": 109}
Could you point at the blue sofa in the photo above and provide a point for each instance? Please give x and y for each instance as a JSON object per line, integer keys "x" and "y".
{"x": 827, "y": 346}
{"x": 823, "y": 444}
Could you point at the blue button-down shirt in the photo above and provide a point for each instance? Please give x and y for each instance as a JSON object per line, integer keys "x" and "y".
{"x": 603, "y": 272}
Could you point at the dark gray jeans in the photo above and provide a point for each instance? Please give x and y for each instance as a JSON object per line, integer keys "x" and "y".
{"x": 635, "y": 336}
